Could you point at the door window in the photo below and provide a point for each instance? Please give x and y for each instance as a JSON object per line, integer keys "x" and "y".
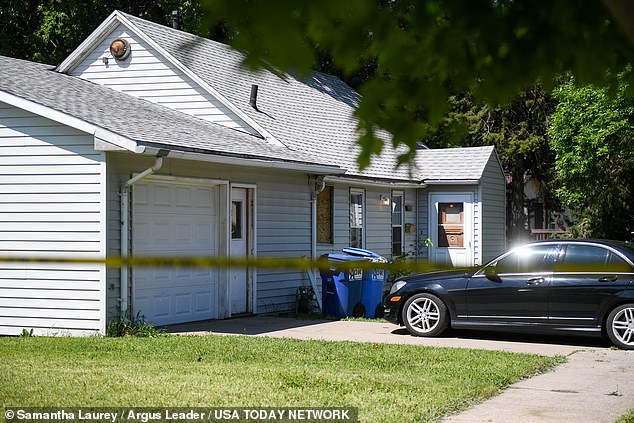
{"x": 397, "y": 223}
{"x": 532, "y": 259}
{"x": 450, "y": 225}
{"x": 236, "y": 220}
{"x": 589, "y": 258}
{"x": 356, "y": 218}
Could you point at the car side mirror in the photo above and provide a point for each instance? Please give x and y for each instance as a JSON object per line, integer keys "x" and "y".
{"x": 491, "y": 274}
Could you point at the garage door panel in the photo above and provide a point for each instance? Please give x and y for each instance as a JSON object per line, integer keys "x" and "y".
{"x": 160, "y": 306}
{"x": 183, "y": 197}
{"x": 183, "y": 303}
{"x": 203, "y": 302}
{"x": 174, "y": 220}
{"x": 160, "y": 195}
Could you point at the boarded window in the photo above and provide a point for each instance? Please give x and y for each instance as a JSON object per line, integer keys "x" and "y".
{"x": 324, "y": 216}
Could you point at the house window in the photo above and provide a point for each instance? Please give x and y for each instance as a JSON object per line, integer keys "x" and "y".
{"x": 450, "y": 225}
{"x": 357, "y": 202}
{"x": 324, "y": 216}
{"x": 397, "y": 223}
{"x": 236, "y": 220}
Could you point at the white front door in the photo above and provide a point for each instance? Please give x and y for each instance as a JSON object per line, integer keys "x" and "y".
{"x": 174, "y": 220}
{"x": 240, "y": 216}
{"x": 451, "y": 229}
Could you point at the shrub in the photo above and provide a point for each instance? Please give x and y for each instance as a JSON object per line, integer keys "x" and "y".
{"x": 132, "y": 327}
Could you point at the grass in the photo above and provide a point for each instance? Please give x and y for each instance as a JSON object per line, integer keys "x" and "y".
{"x": 387, "y": 383}
{"x": 627, "y": 418}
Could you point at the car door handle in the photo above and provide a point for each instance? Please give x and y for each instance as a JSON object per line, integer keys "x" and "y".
{"x": 535, "y": 281}
{"x": 608, "y": 278}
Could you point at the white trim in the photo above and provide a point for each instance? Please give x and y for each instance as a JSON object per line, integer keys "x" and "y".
{"x": 212, "y": 158}
{"x": 469, "y": 227}
{"x": 47, "y": 112}
{"x": 252, "y": 240}
{"x": 100, "y": 134}
{"x": 479, "y": 258}
{"x": 397, "y": 193}
{"x": 364, "y": 225}
{"x": 103, "y": 242}
{"x": 103, "y": 135}
{"x": 97, "y": 36}
{"x": 372, "y": 182}
{"x": 181, "y": 180}
{"x": 85, "y": 48}
{"x": 452, "y": 181}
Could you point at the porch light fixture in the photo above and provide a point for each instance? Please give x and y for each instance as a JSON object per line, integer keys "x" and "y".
{"x": 384, "y": 200}
{"x": 120, "y": 49}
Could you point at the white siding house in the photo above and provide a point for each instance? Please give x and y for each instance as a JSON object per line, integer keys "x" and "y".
{"x": 51, "y": 205}
{"x": 166, "y": 152}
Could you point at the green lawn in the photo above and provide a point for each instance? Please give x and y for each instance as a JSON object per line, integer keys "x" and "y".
{"x": 628, "y": 418}
{"x": 386, "y": 382}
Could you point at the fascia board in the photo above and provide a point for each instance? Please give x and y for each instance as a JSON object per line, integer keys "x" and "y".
{"x": 373, "y": 182}
{"x": 99, "y": 134}
{"x": 103, "y": 135}
{"x": 313, "y": 169}
{"x": 263, "y": 132}
{"x": 90, "y": 43}
{"x": 452, "y": 182}
{"x": 47, "y": 112}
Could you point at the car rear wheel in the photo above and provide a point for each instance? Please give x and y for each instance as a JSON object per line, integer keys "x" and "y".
{"x": 425, "y": 315}
{"x": 620, "y": 326}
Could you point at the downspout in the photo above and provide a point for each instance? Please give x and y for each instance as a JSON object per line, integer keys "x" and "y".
{"x": 318, "y": 185}
{"x": 124, "y": 197}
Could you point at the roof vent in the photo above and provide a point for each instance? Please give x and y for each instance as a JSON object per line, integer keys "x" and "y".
{"x": 120, "y": 49}
{"x": 253, "y": 100}
{"x": 176, "y": 19}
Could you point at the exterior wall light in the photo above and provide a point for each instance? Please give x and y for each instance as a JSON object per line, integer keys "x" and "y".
{"x": 120, "y": 49}
{"x": 384, "y": 200}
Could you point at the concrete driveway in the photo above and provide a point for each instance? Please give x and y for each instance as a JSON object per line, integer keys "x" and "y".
{"x": 596, "y": 384}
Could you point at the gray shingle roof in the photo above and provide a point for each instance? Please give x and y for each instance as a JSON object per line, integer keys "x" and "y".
{"x": 315, "y": 115}
{"x": 138, "y": 120}
{"x": 450, "y": 164}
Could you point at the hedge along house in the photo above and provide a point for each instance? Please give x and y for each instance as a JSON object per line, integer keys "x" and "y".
{"x": 150, "y": 141}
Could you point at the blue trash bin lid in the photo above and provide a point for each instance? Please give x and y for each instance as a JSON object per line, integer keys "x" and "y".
{"x": 367, "y": 254}
{"x": 339, "y": 257}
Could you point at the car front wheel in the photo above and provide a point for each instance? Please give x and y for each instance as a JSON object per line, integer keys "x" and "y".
{"x": 620, "y": 326}
{"x": 425, "y": 315}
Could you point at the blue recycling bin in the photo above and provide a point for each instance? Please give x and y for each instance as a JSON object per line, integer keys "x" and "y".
{"x": 341, "y": 288}
{"x": 372, "y": 283}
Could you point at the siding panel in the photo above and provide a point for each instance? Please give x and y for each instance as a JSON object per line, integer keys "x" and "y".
{"x": 493, "y": 210}
{"x": 146, "y": 74}
{"x": 52, "y": 192}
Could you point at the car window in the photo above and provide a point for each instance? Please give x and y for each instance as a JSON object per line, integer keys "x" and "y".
{"x": 590, "y": 258}
{"x": 529, "y": 259}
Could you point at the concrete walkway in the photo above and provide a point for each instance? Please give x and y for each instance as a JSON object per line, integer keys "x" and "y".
{"x": 596, "y": 384}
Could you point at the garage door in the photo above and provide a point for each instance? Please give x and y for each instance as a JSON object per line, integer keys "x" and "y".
{"x": 174, "y": 220}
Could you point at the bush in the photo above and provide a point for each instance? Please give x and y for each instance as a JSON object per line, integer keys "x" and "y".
{"x": 132, "y": 327}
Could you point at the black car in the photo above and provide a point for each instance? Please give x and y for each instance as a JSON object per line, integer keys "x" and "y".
{"x": 555, "y": 286}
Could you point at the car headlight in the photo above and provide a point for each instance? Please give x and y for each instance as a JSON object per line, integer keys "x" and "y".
{"x": 396, "y": 286}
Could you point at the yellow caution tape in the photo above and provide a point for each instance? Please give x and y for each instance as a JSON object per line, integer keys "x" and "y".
{"x": 298, "y": 263}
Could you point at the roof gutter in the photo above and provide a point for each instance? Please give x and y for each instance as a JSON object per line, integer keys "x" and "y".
{"x": 374, "y": 182}
{"x": 315, "y": 169}
{"x": 452, "y": 181}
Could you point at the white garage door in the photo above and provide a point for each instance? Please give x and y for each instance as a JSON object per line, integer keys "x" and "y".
{"x": 174, "y": 220}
